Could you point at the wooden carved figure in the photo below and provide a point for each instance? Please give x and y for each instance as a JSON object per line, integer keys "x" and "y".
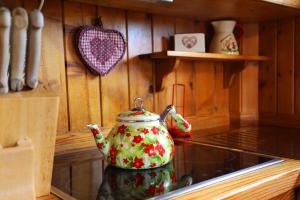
{"x": 34, "y": 50}
{"x": 5, "y": 26}
{"x": 19, "y": 41}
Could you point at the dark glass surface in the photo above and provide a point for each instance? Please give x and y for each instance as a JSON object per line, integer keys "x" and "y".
{"x": 85, "y": 176}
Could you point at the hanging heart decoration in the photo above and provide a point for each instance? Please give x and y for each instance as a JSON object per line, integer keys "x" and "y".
{"x": 100, "y": 49}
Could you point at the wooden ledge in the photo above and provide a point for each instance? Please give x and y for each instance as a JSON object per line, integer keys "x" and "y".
{"x": 265, "y": 183}
{"x": 203, "y": 56}
{"x": 167, "y": 62}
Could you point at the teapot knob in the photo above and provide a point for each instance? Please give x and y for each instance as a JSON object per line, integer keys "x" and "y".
{"x": 138, "y": 103}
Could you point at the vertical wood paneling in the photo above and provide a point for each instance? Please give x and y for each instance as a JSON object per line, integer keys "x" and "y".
{"x": 234, "y": 92}
{"x": 163, "y": 29}
{"x": 221, "y": 97}
{"x": 86, "y": 97}
{"x": 185, "y": 73}
{"x": 282, "y": 85}
{"x": 83, "y": 88}
{"x": 204, "y": 82}
{"x": 250, "y": 73}
{"x": 297, "y": 66}
{"x": 268, "y": 69}
{"x": 52, "y": 67}
{"x": 114, "y": 87}
{"x": 89, "y": 14}
{"x": 140, "y": 71}
{"x": 285, "y": 59}
{"x": 11, "y": 4}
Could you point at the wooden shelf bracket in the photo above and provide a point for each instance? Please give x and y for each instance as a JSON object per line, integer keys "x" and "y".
{"x": 163, "y": 68}
{"x": 167, "y": 62}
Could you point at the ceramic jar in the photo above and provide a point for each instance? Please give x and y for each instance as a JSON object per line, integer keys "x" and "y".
{"x": 223, "y": 40}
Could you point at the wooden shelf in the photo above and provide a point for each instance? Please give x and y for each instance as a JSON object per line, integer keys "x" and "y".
{"x": 203, "y": 56}
{"x": 206, "y": 10}
{"x": 168, "y": 61}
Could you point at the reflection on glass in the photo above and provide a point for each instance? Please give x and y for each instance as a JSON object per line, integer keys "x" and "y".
{"x": 84, "y": 175}
{"x": 140, "y": 184}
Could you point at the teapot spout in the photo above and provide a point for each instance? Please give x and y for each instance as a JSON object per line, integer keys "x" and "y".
{"x": 100, "y": 140}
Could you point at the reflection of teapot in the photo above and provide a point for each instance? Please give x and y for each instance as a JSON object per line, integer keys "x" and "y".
{"x": 140, "y": 184}
{"x": 140, "y": 139}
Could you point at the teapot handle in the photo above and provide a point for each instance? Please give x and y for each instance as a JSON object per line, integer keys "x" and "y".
{"x": 181, "y": 123}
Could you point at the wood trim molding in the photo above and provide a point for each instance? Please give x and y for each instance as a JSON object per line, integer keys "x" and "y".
{"x": 75, "y": 141}
{"x": 244, "y": 118}
{"x": 283, "y": 120}
{"x": 265, "y": 183}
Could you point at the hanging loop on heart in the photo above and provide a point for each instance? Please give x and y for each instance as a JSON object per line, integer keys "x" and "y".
{"x": 99, "y": 22}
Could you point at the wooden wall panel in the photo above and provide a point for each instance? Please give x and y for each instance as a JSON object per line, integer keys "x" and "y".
{"x": 163, "y": 29}
{"x": 279, "y": 79}
{"x": 53, "y": 42}
{"x": 52, "y": 67}
{"x": 12, "y": 4}
{"x": 204, "y": 82}
{"x": 87, "y": 98}
{"x": 185, "y": 73}
{"x": 114, "y": 87}
{"x": 205, "y": 88}
{"x": 83, "y": 88}
{"x": 221, "y": 94}
{"x": 285, "y": 59}
{"x": 250, "y": 73}
{"x": 268, "y": 69}
{"x": 297, "y": 67}
{"x": 140, "y": 70}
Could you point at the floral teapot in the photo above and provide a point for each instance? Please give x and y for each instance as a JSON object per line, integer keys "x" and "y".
{"x": 140, "y": 139}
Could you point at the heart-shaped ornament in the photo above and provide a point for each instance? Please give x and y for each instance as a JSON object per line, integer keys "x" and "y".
{"x": 189, "y": 41}
{"x": 100, "y": 49}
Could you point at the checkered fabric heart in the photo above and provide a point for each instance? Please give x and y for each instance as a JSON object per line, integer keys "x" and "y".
{"x": 100, "y": 49}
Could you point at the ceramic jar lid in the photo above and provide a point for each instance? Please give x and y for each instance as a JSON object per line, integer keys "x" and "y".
{"x": 137, "y": 114}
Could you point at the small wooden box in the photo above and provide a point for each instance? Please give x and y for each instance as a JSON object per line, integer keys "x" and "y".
{"x": 194, "y": 42}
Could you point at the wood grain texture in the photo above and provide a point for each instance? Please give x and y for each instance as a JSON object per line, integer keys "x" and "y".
{"x": 289, "y": 195}
{"x": 242, "y": 10}
{"x": 285, "y": 59}
{"x": 76, "y": 141}
{"x": 140, "y": 70}
{"x": 262, "y": 184}
{"x": 249, "y": 75}
{"x": 297, "y": 66}
{"x": 203, "y": 56}
{"x": 221, "y": 97}
{"x": 268, "y": 69}
{"x": 114, "y": 87}
{"x": 185, "y": 73}
{"x": 49, "y": 197}
{"x": 52, "y": 66}
{"x": 163, "y": 29}
{"x": 205, "y": 88}
{"x": 279, "y": 77}
{"x": 12, "y": 4}
{"x": 86, "y": 98}
{"x": 204, "y": 81}
{"x": 83, "y": 88}
{"x": 34, "y": 117}
{"x": 17, "y": 171}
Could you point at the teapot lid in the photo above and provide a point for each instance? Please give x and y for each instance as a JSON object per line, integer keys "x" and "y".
{"x": 137, "y": 114}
